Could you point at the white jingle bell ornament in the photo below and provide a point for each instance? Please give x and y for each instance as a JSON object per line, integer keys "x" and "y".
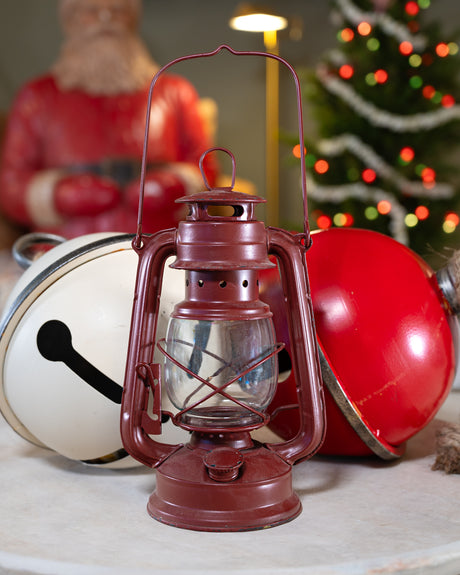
{"x": 63, "y": 342}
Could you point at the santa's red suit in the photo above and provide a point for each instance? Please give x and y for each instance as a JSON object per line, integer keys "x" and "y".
{"x": 71, "y": 161}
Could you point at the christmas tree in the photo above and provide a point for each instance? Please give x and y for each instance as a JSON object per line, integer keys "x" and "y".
{"x": 386, "y": 103}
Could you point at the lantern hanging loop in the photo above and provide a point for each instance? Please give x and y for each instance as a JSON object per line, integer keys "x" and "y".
{"x": 305, "y": 239}
{"x": 203, "y": 173}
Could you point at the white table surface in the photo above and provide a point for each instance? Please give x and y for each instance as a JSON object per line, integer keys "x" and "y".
{"x": 360, "y": 516}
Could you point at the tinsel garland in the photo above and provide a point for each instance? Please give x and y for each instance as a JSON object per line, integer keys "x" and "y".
{"x": 381, "y": 118}
{"x": 384, "y": 21}
{"x": 358, "y": 190}
{"x": 352, "y": 143}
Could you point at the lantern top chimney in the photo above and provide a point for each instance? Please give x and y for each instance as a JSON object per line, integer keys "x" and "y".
{"x": 224, "y": 197}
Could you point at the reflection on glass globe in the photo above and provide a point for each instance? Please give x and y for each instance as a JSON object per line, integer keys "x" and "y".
{"x": 219, "y": 351}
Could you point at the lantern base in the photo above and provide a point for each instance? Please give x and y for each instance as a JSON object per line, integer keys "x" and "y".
{"x": 260, "y": 496}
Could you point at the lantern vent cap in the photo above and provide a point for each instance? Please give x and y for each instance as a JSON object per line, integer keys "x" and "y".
{"x": 220, "y": 197}
{"x": 243, "y": 204}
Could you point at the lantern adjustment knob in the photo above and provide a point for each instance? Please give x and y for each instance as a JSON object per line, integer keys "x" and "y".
{"x": 223, "y": 464}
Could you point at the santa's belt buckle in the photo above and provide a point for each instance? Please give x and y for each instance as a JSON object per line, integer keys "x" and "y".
{"x": 122, "y": 171}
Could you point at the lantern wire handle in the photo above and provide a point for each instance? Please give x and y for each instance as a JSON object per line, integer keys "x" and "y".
{"x": 137, "y": 242}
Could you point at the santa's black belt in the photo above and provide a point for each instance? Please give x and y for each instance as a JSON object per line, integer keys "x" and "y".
{"x": 121, "y": 171}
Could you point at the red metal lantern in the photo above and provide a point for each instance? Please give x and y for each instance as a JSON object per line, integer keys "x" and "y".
{"x": 386, "y": 332}
{"x": 220, "y": 369}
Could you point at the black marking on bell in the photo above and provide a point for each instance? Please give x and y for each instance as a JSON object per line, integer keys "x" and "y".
{"x": 54, "y": 342}
{"x": 109, "y": 458}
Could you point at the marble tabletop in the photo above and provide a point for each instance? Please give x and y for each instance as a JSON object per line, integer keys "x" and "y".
{"x": 360, "y": 516}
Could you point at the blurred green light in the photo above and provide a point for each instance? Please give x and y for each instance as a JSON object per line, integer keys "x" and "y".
{"x": 453, "y": 48}
{"x": 310, "y": 160}
{"x": 449, "y": 227}
{"x": 340, "y": 220}
{"x": 419, "y": 169}
{"x": 416, "y": 82}
{"x": 370, "y": 79}
{"x": 373, "y": 44}
{"x": 411, "y": 220}
{"x": 371, "y": 213}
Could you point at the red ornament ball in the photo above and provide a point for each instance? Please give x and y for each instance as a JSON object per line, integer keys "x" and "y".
{"x": 384, "y": 331}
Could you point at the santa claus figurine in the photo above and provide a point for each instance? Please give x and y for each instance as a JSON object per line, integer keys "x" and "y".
{"x": 74, "y": 140}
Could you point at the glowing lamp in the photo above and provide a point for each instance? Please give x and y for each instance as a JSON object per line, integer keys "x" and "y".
{"x": 254, "y": 18}
{"x": 221, "y": 368}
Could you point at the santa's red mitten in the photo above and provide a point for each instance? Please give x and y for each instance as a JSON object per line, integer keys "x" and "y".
{"x": 85, "y": 195}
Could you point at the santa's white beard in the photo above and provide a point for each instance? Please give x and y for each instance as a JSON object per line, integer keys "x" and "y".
{"x": 104, "y": 64}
